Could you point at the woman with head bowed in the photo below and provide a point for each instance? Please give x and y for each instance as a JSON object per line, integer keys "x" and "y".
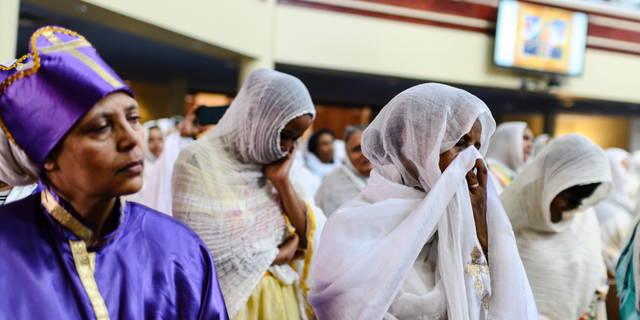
{"x": 510, "y": 149}
{"x": 78, "y": 249}
{"x": 240, "y": 189}
{"x": 345, "y": 182}
{"x": 550, "y": 206}
{"x": 427, "y": 238}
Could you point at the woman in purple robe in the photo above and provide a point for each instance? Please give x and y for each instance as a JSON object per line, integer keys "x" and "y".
{"x": 78, "y": 249}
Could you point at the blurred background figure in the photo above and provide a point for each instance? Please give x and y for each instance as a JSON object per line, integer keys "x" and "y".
{"x": 510, "y": 149}
{"x": 154, "y": 144}
{"x": 321, "y": 155}
{"x": 550, "y": 208}
{"x": 540, "y": 142}
{"x": 157, "y": 195}
{"x": 345, "y": 182}
{"x": 615, "y": 213}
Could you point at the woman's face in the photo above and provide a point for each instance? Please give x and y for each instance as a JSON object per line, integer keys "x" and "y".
{"x": 294, "y": 130}
{"x": 103, "y": 153}
{"x": 470, "y": 139}
{"x": 560, "y": 204}
{"x": 354, "y": 151}
{"x": 156, "y": 142}
{"x": 325, "y": 148}
{"x": 527, "y": 143}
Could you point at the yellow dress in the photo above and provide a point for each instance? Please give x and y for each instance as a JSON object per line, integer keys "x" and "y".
{"x": 271, "y": 300}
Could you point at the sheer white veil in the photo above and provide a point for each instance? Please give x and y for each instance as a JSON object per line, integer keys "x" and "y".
{"x": 370, "y": 244}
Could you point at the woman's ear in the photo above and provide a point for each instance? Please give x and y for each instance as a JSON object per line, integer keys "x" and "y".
{"x": 50, "y": 164}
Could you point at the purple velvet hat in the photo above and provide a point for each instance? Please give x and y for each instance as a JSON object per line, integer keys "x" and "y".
{"x": 46, "y": 92}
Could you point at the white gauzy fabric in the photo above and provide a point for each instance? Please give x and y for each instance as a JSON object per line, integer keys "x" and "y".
{"x": 563, "y": 260}
{"x": 374, "y": 250}
{"x": 221, "y": 192}
{"x": 616, "y": 212}
{"x": 540, "y": 142}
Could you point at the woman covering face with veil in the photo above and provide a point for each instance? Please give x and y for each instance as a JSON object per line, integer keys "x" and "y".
{"x": 240, "y": 190}
{"x": 427, "y": 238}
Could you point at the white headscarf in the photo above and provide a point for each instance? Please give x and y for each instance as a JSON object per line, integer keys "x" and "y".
{"x": 506, "y": 145}
{"x": 616, "y": 212}
{"x": 563, "y": 260}
{"x": 220, "y": 191}
{"x": 540, "y": 142}
{"x": 370, "y": 245}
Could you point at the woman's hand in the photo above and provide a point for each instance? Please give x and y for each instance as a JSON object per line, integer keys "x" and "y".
{"x": 294, "y": 207}
{"x": 478, "y": 193}
{"x": 278, "y": 171}
{"x": 287, "y": 250}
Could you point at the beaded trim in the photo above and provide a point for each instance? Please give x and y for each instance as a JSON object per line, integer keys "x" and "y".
{"x": 15, "y": 63}
{"x": 28, "y": 72}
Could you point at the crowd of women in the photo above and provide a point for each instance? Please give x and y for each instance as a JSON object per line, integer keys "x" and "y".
{"x": 433, "y": 212}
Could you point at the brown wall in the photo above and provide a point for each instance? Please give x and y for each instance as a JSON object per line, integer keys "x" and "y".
{"x": 338, "y": 118}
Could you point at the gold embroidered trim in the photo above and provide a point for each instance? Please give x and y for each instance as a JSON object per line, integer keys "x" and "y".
{"x": 86, "y": 265}
{"x": 485, "y": 300}
{"x": 15, "y": 64}
{"x": 71, "y": 47}
{"x": 62, "y": 46}
{"x": 63, "y": 216}
{"x": 474, "y": 269}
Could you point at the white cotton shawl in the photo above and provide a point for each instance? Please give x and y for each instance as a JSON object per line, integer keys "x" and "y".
{"x": 506, "y": 147}
{"x": 563, "y": 260}
{"x": 616, "y": 212}
{"x": 220, "y": 191}
{"x": 370, "y": 244}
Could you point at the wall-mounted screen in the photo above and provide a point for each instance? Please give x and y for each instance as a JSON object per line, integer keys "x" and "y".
{"x": 539, "y": 38}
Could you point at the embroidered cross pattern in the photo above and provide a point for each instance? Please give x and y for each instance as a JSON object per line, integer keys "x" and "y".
{"x": 72, "y": 48}
{"x": 475, "y": 269}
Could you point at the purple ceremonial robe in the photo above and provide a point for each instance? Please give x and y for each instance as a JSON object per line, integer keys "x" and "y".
{"x": 151, "y": 267}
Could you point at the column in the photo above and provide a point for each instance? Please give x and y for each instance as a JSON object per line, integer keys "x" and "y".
{"x": 177, "y": 98}
{"x": 9, "y": 15}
